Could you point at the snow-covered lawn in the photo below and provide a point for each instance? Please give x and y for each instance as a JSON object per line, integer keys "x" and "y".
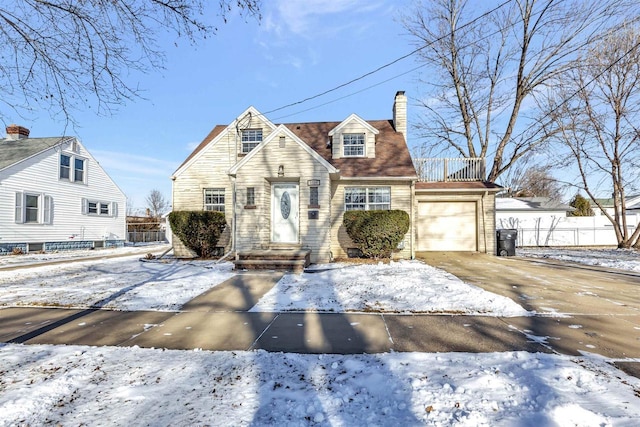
{"x": 118, "y": 283}
{"x": 71, "y": 385}
{"x": 405, "y": 286}
{"x": 128, "y": 284}
{"x": 624, "y": 259}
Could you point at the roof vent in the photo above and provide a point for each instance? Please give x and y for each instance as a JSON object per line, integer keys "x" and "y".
{"x": 15, "y": 132}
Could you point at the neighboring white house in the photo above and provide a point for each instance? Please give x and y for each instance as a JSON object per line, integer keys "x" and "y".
{"x": 543, "y": 222}
{"x": 54, "y": 195}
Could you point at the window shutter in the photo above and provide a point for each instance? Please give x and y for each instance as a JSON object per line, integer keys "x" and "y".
{"x": 114, "y": 209}
{"x": 85, "y": 206}
{"x": 19, "y": 207}
{"x": 47, "y": 210}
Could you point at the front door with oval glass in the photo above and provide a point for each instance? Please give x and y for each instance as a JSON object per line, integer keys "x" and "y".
{"x": 285, "y": 218}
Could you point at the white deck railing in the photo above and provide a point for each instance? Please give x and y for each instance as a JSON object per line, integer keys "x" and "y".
{"x": 459, "y": 169}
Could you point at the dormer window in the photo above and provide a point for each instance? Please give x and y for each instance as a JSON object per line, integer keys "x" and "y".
{"x": 353, "y": 144}
{"x": 251, "y": 138}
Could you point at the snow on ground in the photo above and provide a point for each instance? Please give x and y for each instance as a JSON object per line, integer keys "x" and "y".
{"x": 126, "y": 283}
{"x": 623, "y": 259}
{"x": 56, "y": 256}
{"x": 75, "y": 385}
{"x": 405, "y": 286}
{"x": 123, "y": 283}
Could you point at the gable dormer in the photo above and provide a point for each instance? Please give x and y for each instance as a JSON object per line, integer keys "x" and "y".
{"x": 250, "y": 129}
{"x": 353, "y": 137}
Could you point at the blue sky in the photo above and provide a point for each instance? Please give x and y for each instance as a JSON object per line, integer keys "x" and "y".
{"x": 299, "y": 49}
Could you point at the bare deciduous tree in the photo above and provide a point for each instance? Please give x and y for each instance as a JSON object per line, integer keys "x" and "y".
{"x": 600, "y": 124}
{"x": 156, "y": 203}
{"x": 483, "y": 76}
{"x": 60, "y": 55}
{"x": 535, "y": 181}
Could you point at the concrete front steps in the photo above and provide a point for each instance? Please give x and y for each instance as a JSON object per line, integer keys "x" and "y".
{"x": 293, "y": 259}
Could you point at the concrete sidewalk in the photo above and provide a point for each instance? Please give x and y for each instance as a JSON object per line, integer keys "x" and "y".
{"x": 219, "y": 319}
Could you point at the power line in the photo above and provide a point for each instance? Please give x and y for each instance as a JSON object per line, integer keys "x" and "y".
{"x": 388, "y": 64}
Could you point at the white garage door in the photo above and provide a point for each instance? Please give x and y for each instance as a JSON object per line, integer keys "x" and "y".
{"x": 446, "y": 226}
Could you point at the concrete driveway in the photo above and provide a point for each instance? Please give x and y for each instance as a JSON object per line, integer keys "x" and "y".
{"x": 578, "y": 307}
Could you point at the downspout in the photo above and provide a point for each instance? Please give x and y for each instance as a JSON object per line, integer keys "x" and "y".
{"x": 413, "y": 214}
{"x": 484, "y": 222}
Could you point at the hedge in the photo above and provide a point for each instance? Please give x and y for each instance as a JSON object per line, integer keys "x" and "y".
{"x": 376, "y": 233}
{"x": 198, "y": 230}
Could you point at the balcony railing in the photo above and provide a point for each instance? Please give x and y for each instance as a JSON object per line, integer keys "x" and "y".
{"x": 441, "y": 170}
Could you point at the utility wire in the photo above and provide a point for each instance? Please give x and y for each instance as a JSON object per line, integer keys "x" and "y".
{"x": 388, "y": 64}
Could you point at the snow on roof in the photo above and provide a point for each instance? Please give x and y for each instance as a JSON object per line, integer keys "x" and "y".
{"x": 530, "y": 204}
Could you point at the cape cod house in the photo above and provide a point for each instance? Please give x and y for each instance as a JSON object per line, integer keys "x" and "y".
{"x": 288, "y": 186}
{"x": 54, "y": 195}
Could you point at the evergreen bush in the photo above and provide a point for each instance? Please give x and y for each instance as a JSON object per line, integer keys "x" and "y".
{"x": 198, "y": 230}
{"x": 376, "y": 233}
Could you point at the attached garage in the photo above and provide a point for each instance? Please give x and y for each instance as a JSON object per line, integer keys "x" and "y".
{"x": 455, "y": 216}
{"x": 447, "y": 226}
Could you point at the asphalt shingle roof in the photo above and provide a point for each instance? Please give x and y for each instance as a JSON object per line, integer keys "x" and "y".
{"x": 392, "y": 159}
{"x": 14, "y": 151}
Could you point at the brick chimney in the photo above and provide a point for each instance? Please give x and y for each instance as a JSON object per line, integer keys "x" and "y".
{"x": 15, "y": 132}
{"x": 400, "y": 113}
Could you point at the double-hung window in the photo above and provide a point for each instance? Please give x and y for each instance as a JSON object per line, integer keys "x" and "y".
{"x": 367, "y": 198}
{"x": 72, "y": 168}
{"x": 65, "y": 166}
{"x": 33, "y": 208}
{"x": 250, "y": 139}
{"x": 78, "y": 170}
{"x": 353, "y": 144}
{"x": 214, "y": 199}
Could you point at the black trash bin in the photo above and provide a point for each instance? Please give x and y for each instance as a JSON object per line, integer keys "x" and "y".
{"x": 506, "y": 239}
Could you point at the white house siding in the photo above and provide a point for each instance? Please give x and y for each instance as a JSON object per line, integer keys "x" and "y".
{"x": 483, "y": 228}
{"x": 40, "y": 174}
{"x": 401, "y": 198}
{"x": 260, "y": 172}
{"x": 209, "y": 169}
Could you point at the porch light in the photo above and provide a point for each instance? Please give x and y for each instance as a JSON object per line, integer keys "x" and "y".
{"x": 281, "y": 170}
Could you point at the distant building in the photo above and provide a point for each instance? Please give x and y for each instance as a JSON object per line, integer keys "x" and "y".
{"x": 54, "y": 195}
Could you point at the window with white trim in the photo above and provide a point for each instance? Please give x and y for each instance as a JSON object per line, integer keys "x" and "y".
{"x": 353, "y": 144}
{"x": 99, "y": 208}
{"x": 367, "y": 198}
{"x": 65, "y": 166}
{"x": 33, "y": 208}
{"x": 72, "y": 168}
{"x": 214, "y": 199}
{"x": 78, "y": 170}
{"x": 251, "y": 138}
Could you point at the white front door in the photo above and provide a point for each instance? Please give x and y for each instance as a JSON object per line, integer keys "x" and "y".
{"x": 285, "y": 218}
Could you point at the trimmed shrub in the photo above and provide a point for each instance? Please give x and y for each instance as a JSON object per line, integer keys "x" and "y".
{"x": 376, "y": 233}
{"x": 198, "y": 230}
